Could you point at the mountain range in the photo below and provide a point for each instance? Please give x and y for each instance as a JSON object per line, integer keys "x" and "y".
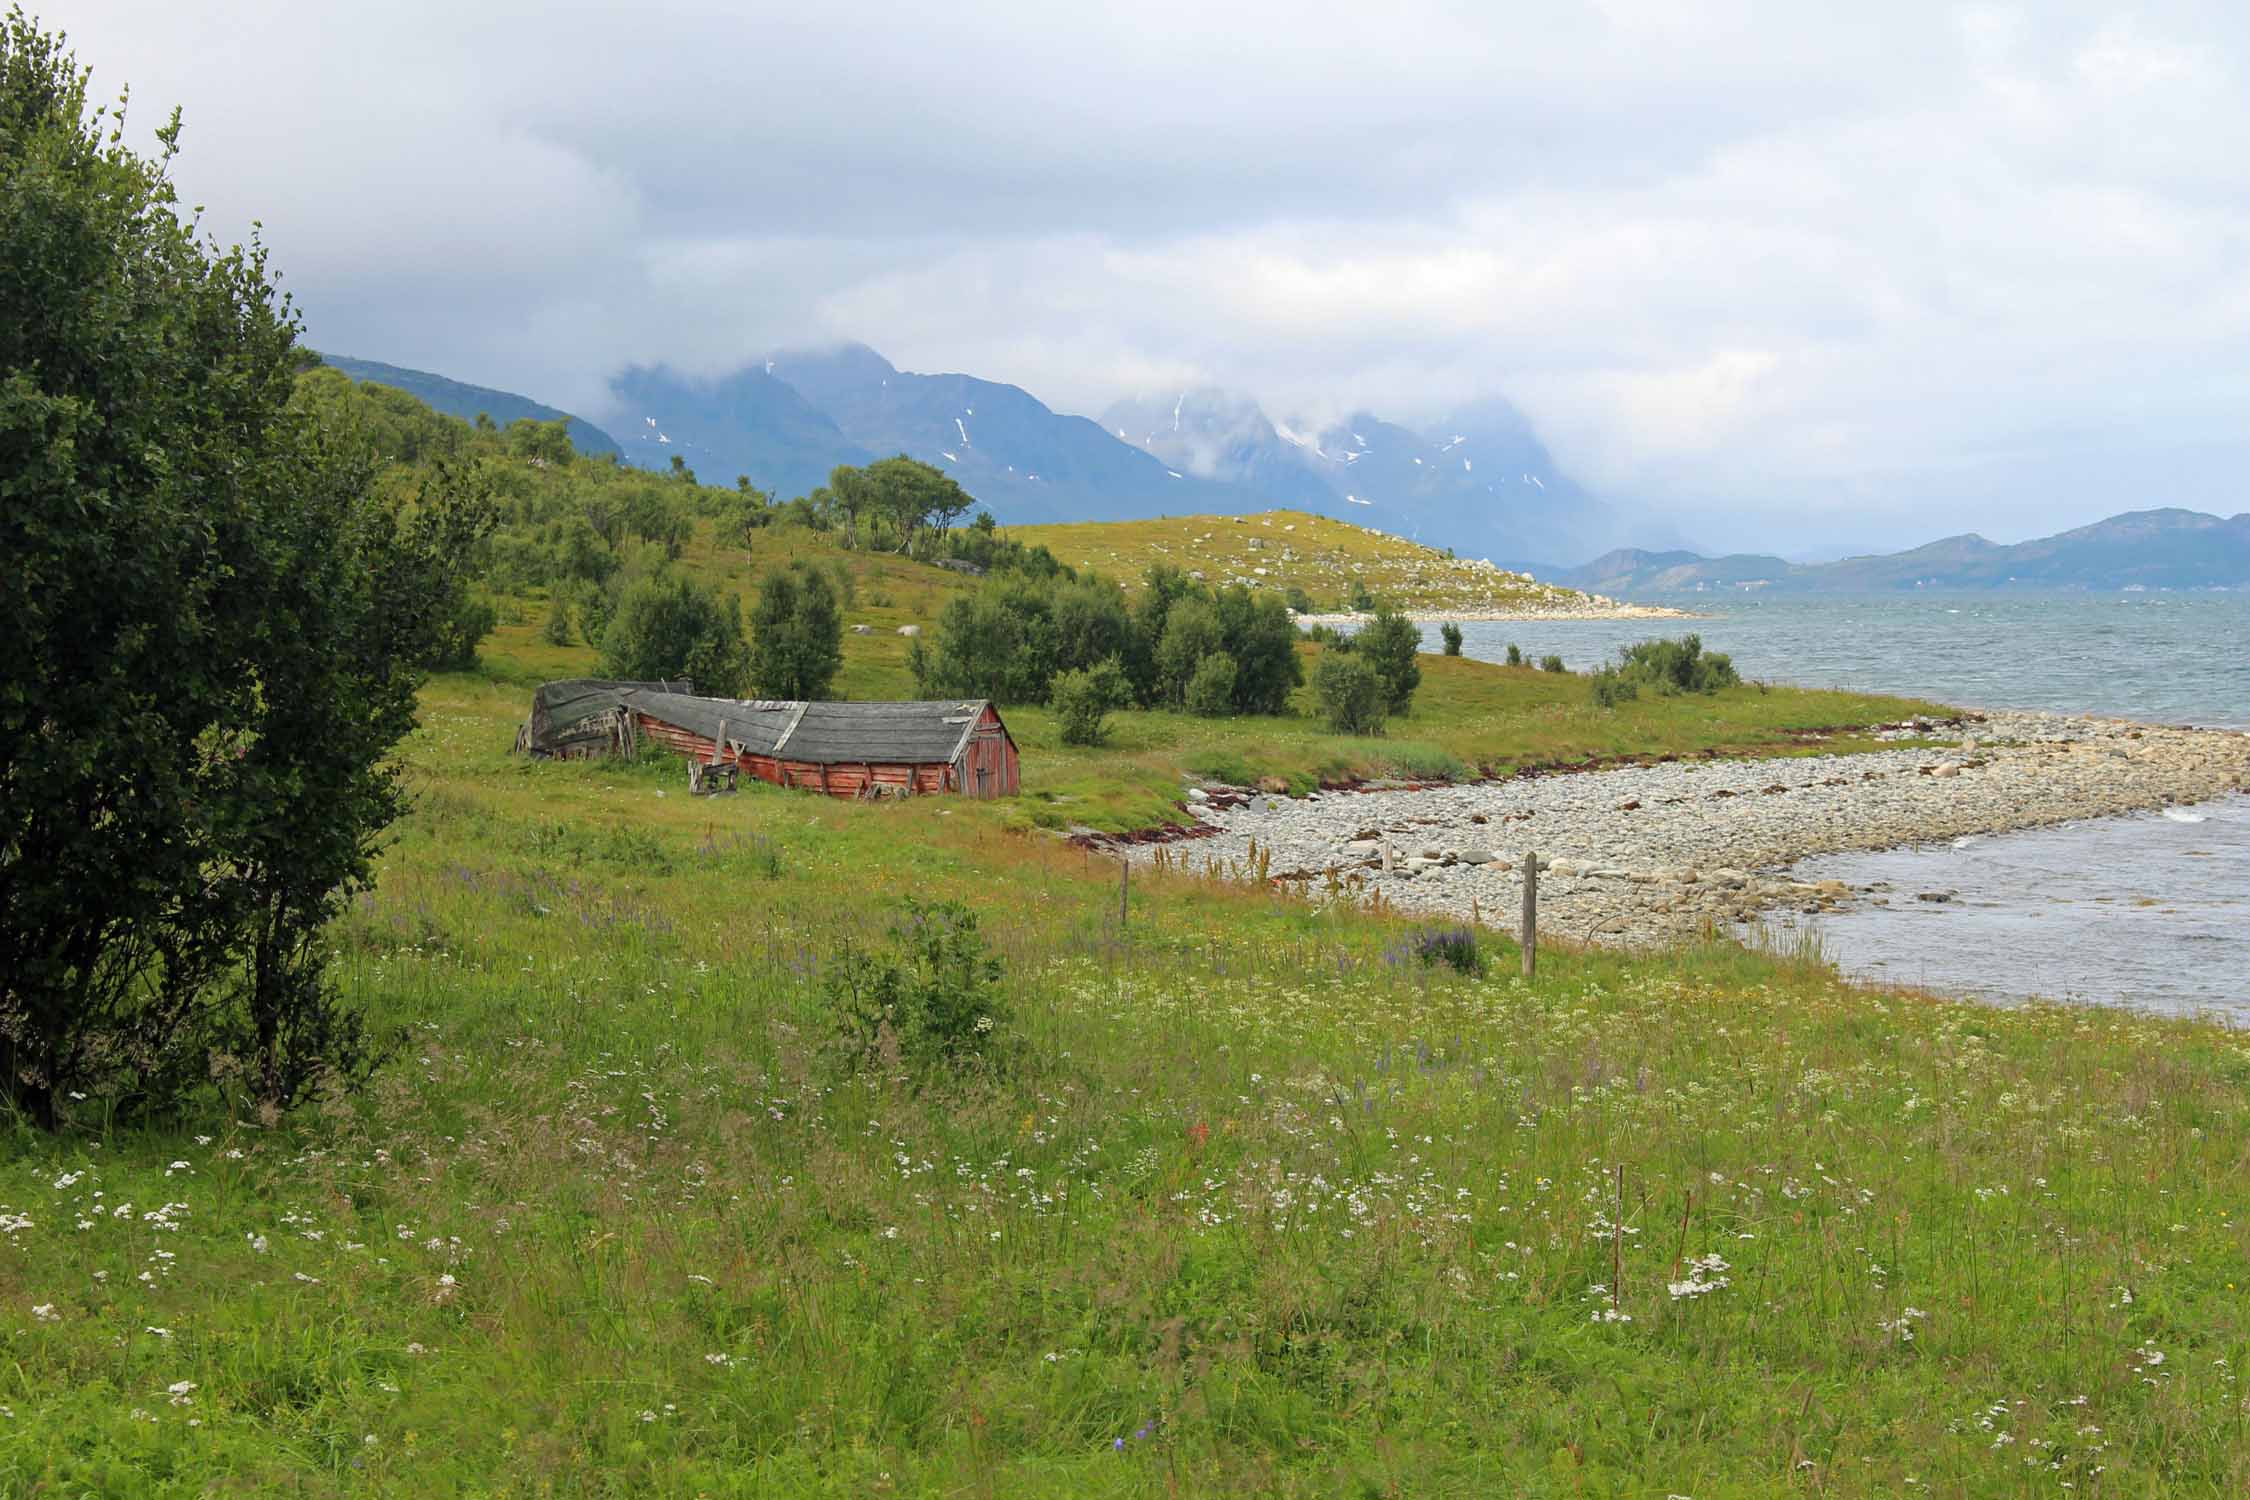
{"x": 2147, "y": 549}
{"x": 1480, "y": 483}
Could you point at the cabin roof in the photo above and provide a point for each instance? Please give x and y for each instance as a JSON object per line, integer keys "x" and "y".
{"x": 919, "y": 733}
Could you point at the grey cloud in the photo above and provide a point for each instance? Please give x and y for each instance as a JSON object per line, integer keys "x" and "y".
{"x": 1901, "y": 269}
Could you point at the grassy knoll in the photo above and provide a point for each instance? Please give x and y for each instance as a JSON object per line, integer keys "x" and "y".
{"x": 1263, "y": 1204}
{"x": 1283, "y": 549}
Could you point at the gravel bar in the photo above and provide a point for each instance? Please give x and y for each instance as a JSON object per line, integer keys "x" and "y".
{"x": 1643, "y": 856}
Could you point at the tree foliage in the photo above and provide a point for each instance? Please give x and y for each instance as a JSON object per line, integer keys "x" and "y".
{"x": 796, "y": 634}
{"x": 1009, "y": 640}
{"x": 1388, "y": 643}
{"x": 669, "y": 626}
{"x": 212, "y": 629}
{"x": 1351, "y": 694}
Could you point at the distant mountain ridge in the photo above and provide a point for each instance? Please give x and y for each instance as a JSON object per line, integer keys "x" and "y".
{"x": 1200, "y": 451}
{"x": 458, "y": 399}
{"x": 1480, "y": 481}
{"x": 2165, "y": 548}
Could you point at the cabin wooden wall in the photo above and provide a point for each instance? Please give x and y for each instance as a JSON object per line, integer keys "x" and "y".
{"x": 847, "y": 780}
{"x": 989, "y": 765}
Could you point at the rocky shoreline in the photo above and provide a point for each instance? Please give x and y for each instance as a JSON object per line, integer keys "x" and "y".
{"x": 1645, "y": 855}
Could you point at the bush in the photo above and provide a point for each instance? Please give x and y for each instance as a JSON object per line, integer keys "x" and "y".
{"x": 1210, "y": 692}
{"x": 1611, "y": 687}
{"x": 216, "y": 625}
{"x": 1679, "y": 666}
{"x": 1297, "y": 599}
{"x": 1255, "y": 630}
{"x": 460, "y": 631}
{"x": 1450, "y": 633}
{"x": 1191, "y": 634}
{"x": 556, "y": 630}
{"x": 667, "y": 627}
{"x": 1515, "y": 654}
{"x": 796, "y": 636}
{"x": 1389, "y": 644}
{"x": 1455, "y": 948}
{"x": 1551, "y": 663}
{"x": 933, "y": 1002}
{"x": 1082, "y": 700}
{"x": 1351, "y": 693}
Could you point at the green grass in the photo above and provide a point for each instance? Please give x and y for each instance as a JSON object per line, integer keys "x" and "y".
{"x": 1265, "y": 1205}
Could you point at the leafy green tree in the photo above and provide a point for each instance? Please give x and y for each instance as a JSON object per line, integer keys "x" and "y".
{"x": 1388, "y": 643}
{"x": 1450, "y": 633}
{"x": 997, "y": 643}
{"x": 666, "y": 626}
{"x": 1258, "y": 633}
{"x": 1090, "y": 623}
{"x": 1210, "y": 688}
{"x": 915, "y": 497}
{"x": 796, "y": 634}
{"x": 556, "y": 629}
{"x": 1191, "y": 633}
{"x": 1351, "y": 694}
{"x": 1082, "y": 700}
{"x": 212, "y": 628}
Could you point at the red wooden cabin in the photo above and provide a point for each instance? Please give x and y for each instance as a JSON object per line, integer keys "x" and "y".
{"x": 843, "y": 749}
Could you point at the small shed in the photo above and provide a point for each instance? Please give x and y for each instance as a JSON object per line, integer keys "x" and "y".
{"x": 844, "y": 749}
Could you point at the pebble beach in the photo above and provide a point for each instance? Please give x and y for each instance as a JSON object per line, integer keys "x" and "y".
{"x": 1644, "y": 855}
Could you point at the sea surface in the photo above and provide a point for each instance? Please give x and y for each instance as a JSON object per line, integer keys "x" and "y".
{"x": 2163, "y": 658}
{"x": 2149, "y": 911}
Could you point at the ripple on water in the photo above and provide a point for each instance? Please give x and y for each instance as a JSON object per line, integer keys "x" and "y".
{"x": 2151, "y": 912}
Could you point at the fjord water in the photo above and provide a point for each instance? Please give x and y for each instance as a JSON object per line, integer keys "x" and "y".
{"x": 2150, "y": 911}
{"x": 2164, "y": 658}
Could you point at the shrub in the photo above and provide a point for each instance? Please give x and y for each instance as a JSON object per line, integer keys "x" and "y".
{"x": 1679, "y": 666}
{"x": 1191, "y": 633}
{"x": 216, "y": 626}
{"x": 932, "y": 1002}
{"x": 461, "y": 629}
{"x": 1360, "y": 599}
{"x": 796, "y": 636}
{"x": 1082, "y": 700}
{"x": 1450, "y": 633}
{"x": 1515, "y": 654}
{"x": 1611, "y": 687}
{"x": 1256, "y": 632}
{"x": 1298, "y": 600}
{"x": 1351, "y": 693}
{"x": 996, "y": 643}
{"x": 667, "y": 627}
{"x": 1389, "y": 644}
{"x": 1455, "y": 948}
{"x": 1551, "y": 663}
{"x": 1210, "y": 692}
{"x": 556, "y": 630}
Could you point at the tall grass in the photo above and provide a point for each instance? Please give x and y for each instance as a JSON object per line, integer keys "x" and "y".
{"x": 1264, "y": 1203}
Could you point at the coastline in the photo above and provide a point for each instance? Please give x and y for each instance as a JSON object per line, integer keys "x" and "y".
{"x": 1641, "y": 856}
{"x": 1601, "y": 609}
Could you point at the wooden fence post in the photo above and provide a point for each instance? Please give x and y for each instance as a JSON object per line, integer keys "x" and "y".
{"x": 1124, "y": 883}
{"x": 1530, "y": 936}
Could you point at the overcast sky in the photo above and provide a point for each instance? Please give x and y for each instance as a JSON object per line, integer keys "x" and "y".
{"x": 1795, "y": 280}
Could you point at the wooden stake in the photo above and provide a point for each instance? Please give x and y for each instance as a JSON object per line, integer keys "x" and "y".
{"x": 1124, "y": 883}
{"x": 1530, "y": 936}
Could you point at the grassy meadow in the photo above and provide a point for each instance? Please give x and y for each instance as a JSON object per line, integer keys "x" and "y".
{"x": 1258, "y": 1201}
